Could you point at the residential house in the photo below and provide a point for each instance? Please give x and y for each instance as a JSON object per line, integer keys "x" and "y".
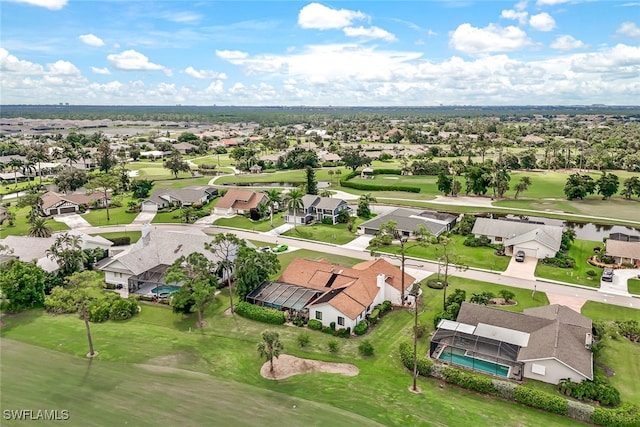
{"x": 316, "y": 208}
{"x": 546, "y": 343}
{"x": 164, "y": 197}
{"x": 12, "y": 176}
{"x": 408, "y": 221}
{"x": 28, "y": 249}
{"x": 331, "y": 293}
{"x": 623, "y": 252}
{"x": 535, "y": 239}
{"x": 56, "y": 203}
{"x": 237, "y": 201}
{"x": 141, "y": 267}
{"x": 185, "y": 148}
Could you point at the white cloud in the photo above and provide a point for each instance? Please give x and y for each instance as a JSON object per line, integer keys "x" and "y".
{"x": 131, "y": 60}
{"x": 567, "y": 42}
{"x": 48, "y": 4}
{"x": 369, "y": 33}
{"x": 104, "y": 71}
{"x": 520, "y": 16}
{"x": 231, "y": 55}
{"x": 317, "y": 16}
{"x": 63, "y": 68}
{"x": 204, "y": 74}
{"x": 492, "y": 38}
{"x": 628, "y": 29}
{"x": 551, "y": 2}
{"x": 182, "y": 17}
{"x": 91, "y": 40}
{"x": 619, "y": 59}
{"x": 542, "y": 22}
{"x": 216, "y": 87}
{"x": 11, "y": 64}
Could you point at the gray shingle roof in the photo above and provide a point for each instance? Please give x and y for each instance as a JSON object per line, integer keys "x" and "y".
{"x": 539, "y": 235}
{"x": 407, "y": 220}
{"x": 512, "y": 229}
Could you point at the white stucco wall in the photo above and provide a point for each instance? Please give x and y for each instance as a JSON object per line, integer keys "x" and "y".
{"x": 116, "y": 278}
{"x": 554, "y": 371}
{"x": 536, "y": 249}
{"x": 330, "y": 314}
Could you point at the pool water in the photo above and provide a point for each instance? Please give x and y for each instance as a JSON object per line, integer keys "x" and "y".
{"x": 159, "y": 290}
{"x": 479, "y": 364}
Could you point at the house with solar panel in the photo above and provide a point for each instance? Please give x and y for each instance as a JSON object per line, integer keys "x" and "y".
{"x": 547, "y": 343}
{"x": 331, "y": 293}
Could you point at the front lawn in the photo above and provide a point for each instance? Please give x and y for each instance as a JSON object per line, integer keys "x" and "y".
{"x": 134, "y": 236}
{"x": 623, "y": 356}
{"x": 633, "y": 286}
{"x": 598, "y": 311}
{"x": 240, "y": 221}
{"x": 21, "y": 226}
{"x": 479, "y": 257}
{"x": 337, "y": 234}
{"x": 580, "y": 250}
{"x": 98, "y": 217}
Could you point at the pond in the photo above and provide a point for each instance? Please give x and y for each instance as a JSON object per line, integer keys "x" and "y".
{"x": 584, "y": 230}
{"x": 321, "y": 184}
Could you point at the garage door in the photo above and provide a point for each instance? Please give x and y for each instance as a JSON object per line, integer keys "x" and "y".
{"x": 530, "y": 252}
{"x": 53, "y": 211}
{"x": 149, "y": 207}
{"x": 67, "y": 210}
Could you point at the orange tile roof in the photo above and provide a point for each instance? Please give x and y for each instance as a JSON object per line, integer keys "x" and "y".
{"x": 240, "y": 199}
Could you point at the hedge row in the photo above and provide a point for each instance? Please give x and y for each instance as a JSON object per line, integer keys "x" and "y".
{"x": 406, "y": 356}
{"x": 120, "y": 241}
{"x": 261, "y": 314}
{"x": 387, "y": 172}
{"x": 365, "y": 186}
{"x": 627, "y": 415}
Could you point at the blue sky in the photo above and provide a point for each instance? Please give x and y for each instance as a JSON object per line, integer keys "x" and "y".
{"x": 358, "y": 53}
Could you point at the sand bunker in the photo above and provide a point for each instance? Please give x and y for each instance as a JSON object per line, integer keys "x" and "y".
{"x": 287, "y": 366}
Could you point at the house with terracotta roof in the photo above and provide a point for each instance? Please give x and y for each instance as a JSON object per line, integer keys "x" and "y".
{"x": 55, "y": 203}
{"x": 331, "y": 293}
{"x": 237, "y": 201}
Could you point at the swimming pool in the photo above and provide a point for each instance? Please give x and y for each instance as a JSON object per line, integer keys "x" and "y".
{"x": 164, "y": 290}
{"x": 472, "y": 362}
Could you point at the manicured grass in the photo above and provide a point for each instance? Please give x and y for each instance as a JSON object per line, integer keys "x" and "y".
{"x": 97, "y": 217}
{"x": 182, "y": 182}
{"x": 21, "y": 226}
{"x": 580, "y": 250}
{"x": 633, "y": 286}
{"x": 623, "y": 357}
{"x": 133, "y": 235}
{"x": 225, "y": 351}
{"x": 481, "y": 257}
{"x": 11, "y": 187}
{"x": 598, "y": 311}
{"x": 286, "y": 258}
{"x": 240, "y": 221}
{"x": 154, "y": 171}
{"x": 337, "y": 234}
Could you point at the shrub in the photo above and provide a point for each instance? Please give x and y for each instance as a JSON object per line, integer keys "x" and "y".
{"x": 314, "y": 324}
{"x": 630, "y": 329}
{"x": 481, "y": 298}
{"x": 626, "y": 415}
{"x": 476, "y": 242}
{"x": 344, "y": 181}
{"x": 374, "y": 316}
{"x": 469, "y": 380}
{"x": 361, "y": 328}
{"x": 365, "y": 348}
{"x": 99, "y": 311}
{"x": 591, "y": 273}
{"x": 327, "y": 330}
{"x": 419, "y": 330}
{"x": 406, "y": 356}
{"x": 343, "y": 333}
{"x": 60, "y": 301}
{"x": 303, "y": 339}
{"x": 580, "y": 411}
{"x": 435, "y": 283}
{"x": 121, "y": 241}
{"x": 541, "y": 400}
{"x": 333, "y": 345}
{"x": 560, "y": 260}
{"x": 123, "y": 309}
{"x": 298, "y": 322}
{"x": 327, "y": 221}
{"x": 504, "y": 389}
{"x": 332, "y": 325}
{"x": 261, "y": 314}
{"x": 385, "y": 306}
{"x": 506, "y": 294}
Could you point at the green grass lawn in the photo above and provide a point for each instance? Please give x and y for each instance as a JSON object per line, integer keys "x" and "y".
{"x": 580, "y": 250}
{"x": 240, "y": 221}
{"x": 592, "y": 206}
{"x": 98, "y": 217}
{"x": 481, "y": 257}
{"x": 134, "y": 236}
{"x": 220, "y": 363}
{"x": 633, "y": 286}
{"x": 337, "y": 234}
{"x": 623, "y": 356}
{"x": 598, "y": 311}
{"x": 21, "y": 226}
{"x": 154, "y": 171}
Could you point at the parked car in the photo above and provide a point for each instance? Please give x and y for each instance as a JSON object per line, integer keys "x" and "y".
{"x": 520, "y": 256}
{"x": 280, "y": 248}
{"x": 607, "y": 275}
{"x": 264, "y": 249}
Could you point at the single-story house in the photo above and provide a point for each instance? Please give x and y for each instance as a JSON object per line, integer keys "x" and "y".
{"x": 236, "y": 201}
{"x": 623, "y": 252}
{"x": 136, "y": 268}
{"x": 56, "y": 203}
{"x": 535, "y": 239}
{"x": 185, "y": 147}
{"x": 153, "y": 154}
{"x": 316, "y": 208}
{"x": 255, "y": 169}
{"x": 331, "y": 293}
{"x": 547, "y": 343}
{"x": 367, "y": 173}
{"x": 162, "y": 198}
{"x": 12, "y": 176}
{"x": 27, "y": 248}
{"x": 408, "y": 221}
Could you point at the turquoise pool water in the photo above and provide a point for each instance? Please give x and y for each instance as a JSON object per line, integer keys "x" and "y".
{"x": 159, "y": 290}
{"x": 479, "y": 364}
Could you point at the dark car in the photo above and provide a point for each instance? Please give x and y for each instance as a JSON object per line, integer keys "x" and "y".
{"x": 520, "y": 256}
{"x": 607, "y": 275}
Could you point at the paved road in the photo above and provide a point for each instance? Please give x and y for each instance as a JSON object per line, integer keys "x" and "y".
{"x": 428, "y": 266}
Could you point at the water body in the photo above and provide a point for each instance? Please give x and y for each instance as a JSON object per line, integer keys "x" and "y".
{"x": 584, "y": 231}
{"x": 321, "y": 184}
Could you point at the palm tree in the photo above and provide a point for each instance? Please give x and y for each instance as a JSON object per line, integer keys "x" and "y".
{"x": 38, "y": 155}
{"x": 294, "y": 203}
{"x": 15, "y": 164}
{"x": 270, "y": 347}
{"x": 522, "y": 185}
{"x": 84, "y": 155}
{"x": 39, "y": 228}
{"x": 273, "y": 198}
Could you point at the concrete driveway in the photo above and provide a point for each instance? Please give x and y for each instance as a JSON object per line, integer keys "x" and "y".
{"x": 144, "y": 217}
{"x": 522, "y": 270}
{"x": 359, "y": 243}
{"x": 72, "y": 220}
{"x": 619, "y": 284}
